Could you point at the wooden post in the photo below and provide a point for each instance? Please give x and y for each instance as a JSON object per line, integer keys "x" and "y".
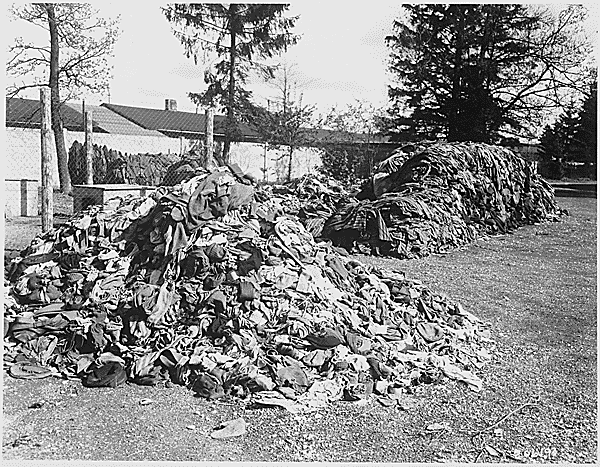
{"x": 265, "y": 168}
{"x": 209, "y": 133}
{"x": 89, "y": 148}
{"x": 47, "y": 189}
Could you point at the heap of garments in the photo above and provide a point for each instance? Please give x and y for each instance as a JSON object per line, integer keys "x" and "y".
{"x": 112, "y": 166}
{"x": 203, "y": 285}
{"x": 312, "y": 198}
{"x": 440, "y": 197}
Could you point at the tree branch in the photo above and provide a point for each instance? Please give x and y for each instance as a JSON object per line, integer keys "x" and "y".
{"x": 13, "y": 91}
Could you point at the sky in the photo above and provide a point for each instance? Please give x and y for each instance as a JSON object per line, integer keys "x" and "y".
{"x": 340, "y": 58}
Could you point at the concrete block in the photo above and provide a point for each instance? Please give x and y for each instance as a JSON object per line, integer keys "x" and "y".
{"x": 21, "y": 198}
{"x": 88, "y": 195}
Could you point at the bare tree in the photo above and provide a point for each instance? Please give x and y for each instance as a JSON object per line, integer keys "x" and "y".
{"x": 73, "y": 61}
{"x": 286, "y": 121}
{"x": 348, "y": 149}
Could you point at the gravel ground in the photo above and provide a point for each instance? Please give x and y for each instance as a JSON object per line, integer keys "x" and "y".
{"x": 537, "y": 288}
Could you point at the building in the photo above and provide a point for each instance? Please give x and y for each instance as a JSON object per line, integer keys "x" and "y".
{"x": 136, "y": 130}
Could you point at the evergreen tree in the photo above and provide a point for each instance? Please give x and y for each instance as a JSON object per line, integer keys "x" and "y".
{"x": 468, "y": 72}
{"x": 552, "y": 144}
{"x": 566, "y": 128}
{"x": 584, "y": 145}
{"x": 573, "y": 137}
{"x": 240, "y": 35}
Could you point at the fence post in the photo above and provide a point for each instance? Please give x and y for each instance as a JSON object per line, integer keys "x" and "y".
{"x": 47, "y": 192}
{"x": 265, "y": 168}
{"x": 89, "y": 148}
{"x": 209, "y": 133}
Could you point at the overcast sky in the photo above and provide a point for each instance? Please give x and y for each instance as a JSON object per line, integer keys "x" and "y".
{"x": 341, "y": 56}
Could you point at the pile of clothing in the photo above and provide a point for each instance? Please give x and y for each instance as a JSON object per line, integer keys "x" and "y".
{"x": 436, "y": 197}
{"x": 207, "y": 285}
{"x": 112, "y": 166}
{"x": 313, "y": 198}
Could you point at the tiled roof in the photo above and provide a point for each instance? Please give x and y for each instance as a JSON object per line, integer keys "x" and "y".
{"x": 115, "y": 123}
{"x": 25, "y": 113}
{"x": 139, "y": 121}
{"x": 173, "y": 122}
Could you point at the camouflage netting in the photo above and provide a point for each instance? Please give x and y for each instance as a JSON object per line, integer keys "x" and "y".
{"x": 441, "y": 197}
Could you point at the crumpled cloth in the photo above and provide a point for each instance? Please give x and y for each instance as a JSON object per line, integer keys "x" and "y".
{"x": 215, "y": 196}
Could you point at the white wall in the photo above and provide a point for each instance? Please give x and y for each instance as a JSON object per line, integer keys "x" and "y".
{"x": 22, "y": 158}
{"x": 252, "y": 158}
{"x": 23, "y": 154}
{"x": 130, "y": 144}
{"x": 23, "y": 149}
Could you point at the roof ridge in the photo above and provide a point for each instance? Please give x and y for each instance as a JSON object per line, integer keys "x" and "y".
{"x": 107, "y": 104}
{"x": 24, "y": 112}
{"x": 104, "y": 104}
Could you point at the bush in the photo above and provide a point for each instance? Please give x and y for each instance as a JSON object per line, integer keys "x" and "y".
{"x": 346, "y": 163}
{"x": 553, "y": 170}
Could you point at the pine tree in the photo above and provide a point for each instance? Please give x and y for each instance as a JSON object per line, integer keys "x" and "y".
{"x": 468, "y": 72}
{"x": 240, "y": 35}
{"x": 585, "y": 135}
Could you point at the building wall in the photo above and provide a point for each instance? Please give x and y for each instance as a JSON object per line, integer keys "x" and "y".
{"x": 253, "y": 158}
{"x": 132, "y": 144}
{"x": 23, "y": 149}
{"x": 23, "y": 160}
{"x": 23, "y": 154}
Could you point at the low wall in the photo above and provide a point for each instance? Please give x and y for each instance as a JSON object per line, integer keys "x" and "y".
{"x": 23, "y": 149}
{"x": 23, "y": 154}
{"x": 21, "y": 198}
{"x": 253, "y": 158}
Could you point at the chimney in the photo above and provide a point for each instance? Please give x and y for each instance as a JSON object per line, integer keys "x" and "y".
{"x": 171, "y": 104}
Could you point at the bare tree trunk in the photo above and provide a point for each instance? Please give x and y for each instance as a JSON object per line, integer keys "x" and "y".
{"x": 230, "y": 105}
{"x": 370, "y": 152}
{"x": 57, "y": 125}
{"x": 89, "y": 148}
{"x": 209, "y": 135}
{"x": 285, "y": 92}
{"x": 265, "y": 169}
{"x": 47, "y": 199}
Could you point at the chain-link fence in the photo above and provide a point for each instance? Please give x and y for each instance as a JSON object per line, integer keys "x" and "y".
{"x": 22, "y": 166}
{"x": 115, "y": 167}
{"x": 137, "y": 160}
{"x": 264, "y": 164}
